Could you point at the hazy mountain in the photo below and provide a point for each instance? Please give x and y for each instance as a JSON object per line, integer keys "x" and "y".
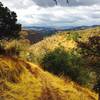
{"x": 51, "y": 30}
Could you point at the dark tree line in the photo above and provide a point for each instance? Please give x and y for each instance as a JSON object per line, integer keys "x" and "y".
{"x": 8, "y": 23}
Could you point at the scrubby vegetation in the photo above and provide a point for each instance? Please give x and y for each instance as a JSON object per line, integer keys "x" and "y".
{"x": 65, "y": 63}
{"x": 64, "y": 53}
{"x": 90, "y": 52}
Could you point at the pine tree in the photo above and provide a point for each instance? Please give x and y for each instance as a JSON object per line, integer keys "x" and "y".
{"x": 8, "y": 23}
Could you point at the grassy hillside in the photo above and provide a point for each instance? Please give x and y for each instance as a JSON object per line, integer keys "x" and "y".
{"x": 75, "y": 51}
{"x": 21, "y": 80}
{"x": 65, "y": 39}
{"x": 70, "y": 53}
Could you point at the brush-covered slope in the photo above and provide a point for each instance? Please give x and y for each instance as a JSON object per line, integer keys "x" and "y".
{"x": 21, "y": 80}
{"x": 65, "y": 39}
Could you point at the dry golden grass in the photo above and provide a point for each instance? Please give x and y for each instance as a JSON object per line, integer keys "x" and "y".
{"x": 54, "y": 41}
{"x": 21, "y": 80}
{"x": 49, "y": 44}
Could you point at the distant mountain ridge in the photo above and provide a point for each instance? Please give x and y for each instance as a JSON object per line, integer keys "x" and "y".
{"x": 40, "y": 29}
{"x": 51, "y": 30}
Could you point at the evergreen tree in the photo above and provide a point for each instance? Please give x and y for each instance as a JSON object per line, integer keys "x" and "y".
{"x": 8, "y": 23}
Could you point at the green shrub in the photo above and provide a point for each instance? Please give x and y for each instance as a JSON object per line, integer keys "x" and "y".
{"x": 73, "y": 36}
{"x": 61, "y": 62}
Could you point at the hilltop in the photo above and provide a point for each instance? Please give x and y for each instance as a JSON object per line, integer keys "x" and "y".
{"x": 22, "y": 80}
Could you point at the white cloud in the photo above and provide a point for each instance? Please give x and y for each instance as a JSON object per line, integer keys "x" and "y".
{"x": 29, "y": 13}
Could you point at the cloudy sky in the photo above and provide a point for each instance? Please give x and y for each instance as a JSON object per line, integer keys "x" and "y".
{"x": 46, "y": 13}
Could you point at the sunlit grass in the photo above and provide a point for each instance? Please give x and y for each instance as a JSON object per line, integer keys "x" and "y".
{"x": 32, "y": 83}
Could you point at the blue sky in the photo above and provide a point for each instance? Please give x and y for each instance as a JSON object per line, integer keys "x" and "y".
{"x": 46, "y": 13}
